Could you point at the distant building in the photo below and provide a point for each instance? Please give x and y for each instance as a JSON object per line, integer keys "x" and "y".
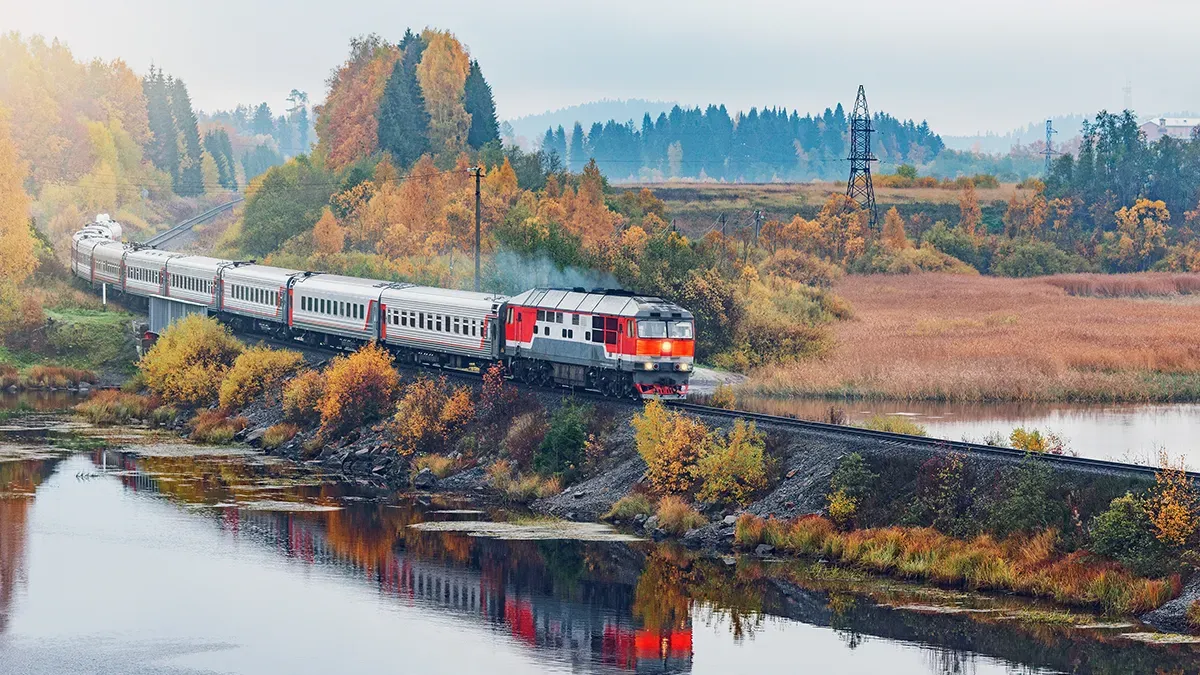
{"x": 1175, "y": 127}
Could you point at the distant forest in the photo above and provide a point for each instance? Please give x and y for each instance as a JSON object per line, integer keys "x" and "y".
{"x": 759, "y": 145}
{"x": 261, "y": 139}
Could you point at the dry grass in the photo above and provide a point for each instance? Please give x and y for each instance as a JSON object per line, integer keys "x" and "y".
{"x": 521, "y": 489}
{"x": 677, "y": 516}
{"x": 440, "y": 465}
{"x": 895, "y": 424}
{"x": 44, "y": 377}
{"x": 278, "y": 434}
{"x": 1146, "y": 285}
{"x": 1021, "y": 564}
{"x": 964, "y": 338}
{"x": 781, "y": 196}
{"x": 115, "y": 407}
{"x": 215, "y": 427}
{"x": 629, "y": 506}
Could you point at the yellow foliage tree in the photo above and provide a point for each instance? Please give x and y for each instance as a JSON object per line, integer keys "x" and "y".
{"x": 359, "y": 388}
{"x": 1025, "y": 215}
{"x": 893, "y": 231}
{"x": 1141, "y": 236}
{"x": 442, "y": 73}
{"x": 187, "y": 363}
{"x": 428, "y": 413}
{"x": 841, "y": 229}
{"x": 970, "y": 214}
{"x": 1173, "y": 507}
{"x": 256, "y": 371}
{"x": 301, "y": 397}
{"x": 17, "y": 258}
{"x": 733, "y": 469}
{"x": 347, "y": 123}
{"x": 670, "y": 443}
{"x": 329, "y": 238}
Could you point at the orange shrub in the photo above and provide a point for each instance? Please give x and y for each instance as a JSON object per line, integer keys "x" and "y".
{"x": 525, "y": 436}
{"x": 256, "y": 371}
{"x": 185, "y": 367}
{"x": 359, "y": 388}
{"x": 58, "y": 377}
{"x": 279, "y": 434}
{"x": 671, "y": 444}
{"x": 677, "y": 516}
{"x": 302, "y": 395}
{"x": 1173, "y": 506}
{"x": 733, "y": 469}
{"x": 428, "y": 413}
{"x": 114, "y": 407}
{"x": 215, "y": 426}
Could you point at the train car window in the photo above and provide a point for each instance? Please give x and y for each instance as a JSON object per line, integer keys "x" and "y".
{"x": 547, "y": 330}
{"x": 629, "y": 325}
{"x": 510, "y": 315}
{"x": 574, "y": 319}
{"x": 571, "y": 333}
{"x": 564, "y": 332}
{"x": 587, "y": 336}
{"x": 541, "y": 315}
{"x": 610, "y": 337}
{"x": 598, "y": 323}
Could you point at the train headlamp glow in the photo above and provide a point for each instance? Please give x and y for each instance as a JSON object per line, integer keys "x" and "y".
{"x": 684, "y": 367}
{"x": 649, "y": 365}
{"x": 666, "y": 347}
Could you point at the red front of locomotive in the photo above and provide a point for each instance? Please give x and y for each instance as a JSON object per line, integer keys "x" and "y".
{"x": 614, "y": 342}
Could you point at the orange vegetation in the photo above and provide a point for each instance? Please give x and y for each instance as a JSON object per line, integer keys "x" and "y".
{"x": 1021, "y": 564}
{"x": 968, "y": 338}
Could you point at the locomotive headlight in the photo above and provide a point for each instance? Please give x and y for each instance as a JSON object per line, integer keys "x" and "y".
{"x": 666, "y": 347}
{"x": 649, "y": 365}
{"x": 684, "y": 367}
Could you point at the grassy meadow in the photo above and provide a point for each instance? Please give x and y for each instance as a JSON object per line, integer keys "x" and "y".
{"x": 1132, "y": 337}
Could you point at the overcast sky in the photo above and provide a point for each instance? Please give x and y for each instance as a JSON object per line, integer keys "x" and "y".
{"x": 966, "y": 66}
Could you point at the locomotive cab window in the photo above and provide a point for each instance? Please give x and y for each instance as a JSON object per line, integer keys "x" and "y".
{"x": 652, "y": 329}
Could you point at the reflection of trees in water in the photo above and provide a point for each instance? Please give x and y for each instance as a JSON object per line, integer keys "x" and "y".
{"x": 18, "y": 480}
{"x": 954, "y": 662}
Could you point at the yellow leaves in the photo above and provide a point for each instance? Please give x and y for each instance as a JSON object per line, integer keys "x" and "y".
{"x": 185, "y": 366}
{"x": 841, "y": 508}
{"x": 429, "y": 411}
{"x": 256, "y": 371}
{"x": 502, "y": 182}
{"x": 17, "y": 258}
{"x": 970, "y": 214}
{"x": 1173, "y": 507}
{"x": 670, "y": 443}
{"x": 1025, "y": 215}
{"x": 442, "y": 73}
{"x": 329, "y": 238}
{"x": 733, "y": 469}
{"x": 348, "y": 126}
{"x": 893, "y": 231}
{"x": 302, "y": 395}
{"x": 358, "y": 389}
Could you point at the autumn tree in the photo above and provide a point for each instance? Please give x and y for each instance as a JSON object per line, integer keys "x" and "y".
{"x": 970, "y": 215}
{"x": 443, "y": 74}
{"x": 1140, "y": 239}
{"x": 1025, "y": 215}
{"x": 403, "y": 120}
{"x": 17, "y": 259}
{"x": 329, "y": 238}
{"x": 841, "y": 229}
{"x": 348, "y": 123}
{"x": 285, "y": 201}
{"x": 1173, "y": 506}
{"x": 478, "y": 102}
{"x": 893, "y": 231}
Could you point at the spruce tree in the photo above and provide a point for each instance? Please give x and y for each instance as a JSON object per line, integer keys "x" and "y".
{"x": 548, "y": 141}
{"x": 403, "y": 120}
{"x": 164, "y": 146}
{"x": 578, "y": 154}
{"x": 477, "y": 99}
{"x": 263, "y": 123}
{"x": 560, "y": 143}
{"x": 191, "y": 175}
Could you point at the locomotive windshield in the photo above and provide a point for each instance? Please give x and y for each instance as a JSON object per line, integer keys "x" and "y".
{"x": 652, "y": 329}
{"x": 681, "y": 330}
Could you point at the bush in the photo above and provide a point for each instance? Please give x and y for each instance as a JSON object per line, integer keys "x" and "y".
{"x": 58, "y": 377}
{"x": 1032, "y": 440}
{"x": 278, "y": 434}
{"x": 893, "y": 424}
{"x": 670, "y": 443}
{"x": 524, "y": 437}
{"x": 256, "y": 371}
{"x": 359, "y": 388}
{"x": 187, "y": 363}
{"x": 852, "y": 478}
{"x": 520, "y": 489}
{"x": 1124, "y": 533}
{"x": 1035, "y": 259}
{"x": 164, "y": 414}
{"x": 1193, "y": 615}
{"x": 1029, "y": 505}
{"x": 723, "y": 397}
{"x": 496, "y": 397}
{"x": 215, "y": 427}
{"x": 733, "y": 469}
{"x": 115, "y": 407}
{"x": 803, "y": 267}
{"x": 561, "y": 450}
{"x": 841, "y": 507}
{"x": 302, "y": 396}
{"x": 677, "y": 516}
{"x": 429, "y": 412}
{"x": 136, "y": 383}
{"x": 629, "y": 506}
{"x": 440, "y": 465}
{"x": 1173, "y": 507}
{"x": 945, "y": 495}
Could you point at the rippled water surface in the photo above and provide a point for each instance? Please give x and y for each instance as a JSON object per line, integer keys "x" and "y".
{"x": 114, "y": 562}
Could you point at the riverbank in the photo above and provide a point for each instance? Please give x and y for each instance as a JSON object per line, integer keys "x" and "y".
{"x": 937, "y": 337}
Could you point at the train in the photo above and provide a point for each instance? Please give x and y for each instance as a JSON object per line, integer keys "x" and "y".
{"x": 613, "y": 342}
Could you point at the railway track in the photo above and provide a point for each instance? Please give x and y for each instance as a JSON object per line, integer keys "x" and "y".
{"x": 883, "y": 437}
{"x": 186, "y": 226}
{"x": 939, "y": 444}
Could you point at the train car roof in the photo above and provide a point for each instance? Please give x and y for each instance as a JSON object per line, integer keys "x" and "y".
{"x": 150, "y": 255}
{"x": 198, "y": 262}
{"x": 613, "y": 303}
{"x": 259, "y": 273}
{"x": 338, "y": 281}
{"x": 451, "y": 296}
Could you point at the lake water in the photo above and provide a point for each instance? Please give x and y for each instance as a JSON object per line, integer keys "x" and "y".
{"x": 1126, "y": 433}
{"x": 169, "y": 561}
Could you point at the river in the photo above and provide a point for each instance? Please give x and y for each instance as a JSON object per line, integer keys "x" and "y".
{"x": 1125, "y": 433}
{"x": 169, "y": 558}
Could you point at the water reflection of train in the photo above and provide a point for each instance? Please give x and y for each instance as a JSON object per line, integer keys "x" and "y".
{"x": 587, "y": 622}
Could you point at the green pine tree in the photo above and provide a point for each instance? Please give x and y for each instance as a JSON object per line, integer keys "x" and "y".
{"x": 403, "y": 120}
{"x": 477, "y": 99}
{"x": 578, "y": 155}
{"x": 163, "y": 150}
{"x": 191, "y": 175}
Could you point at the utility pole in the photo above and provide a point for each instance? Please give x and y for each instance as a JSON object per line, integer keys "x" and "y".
{"x": 757, "y": 224}
{"x": 478, "y": 173}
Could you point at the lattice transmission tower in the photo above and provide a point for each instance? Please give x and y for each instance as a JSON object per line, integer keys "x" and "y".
{"x": 1049, "y": 151}
{"x": 859, "y": 186}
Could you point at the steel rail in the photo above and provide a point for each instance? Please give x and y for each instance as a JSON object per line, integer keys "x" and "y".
{"x": 167, "y": 235}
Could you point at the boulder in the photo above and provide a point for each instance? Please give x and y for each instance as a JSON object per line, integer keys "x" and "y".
{"x": 692, "y": 538}
{"x": 651, "y": 523}
{"x": 730, "y": 520}
{"x": 425, "y": 480}
{"x": 764, "y": 549}
{"x": 255, "y": 437}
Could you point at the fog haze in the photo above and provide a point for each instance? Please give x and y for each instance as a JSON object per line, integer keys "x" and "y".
{"x": 966, "y": 67}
